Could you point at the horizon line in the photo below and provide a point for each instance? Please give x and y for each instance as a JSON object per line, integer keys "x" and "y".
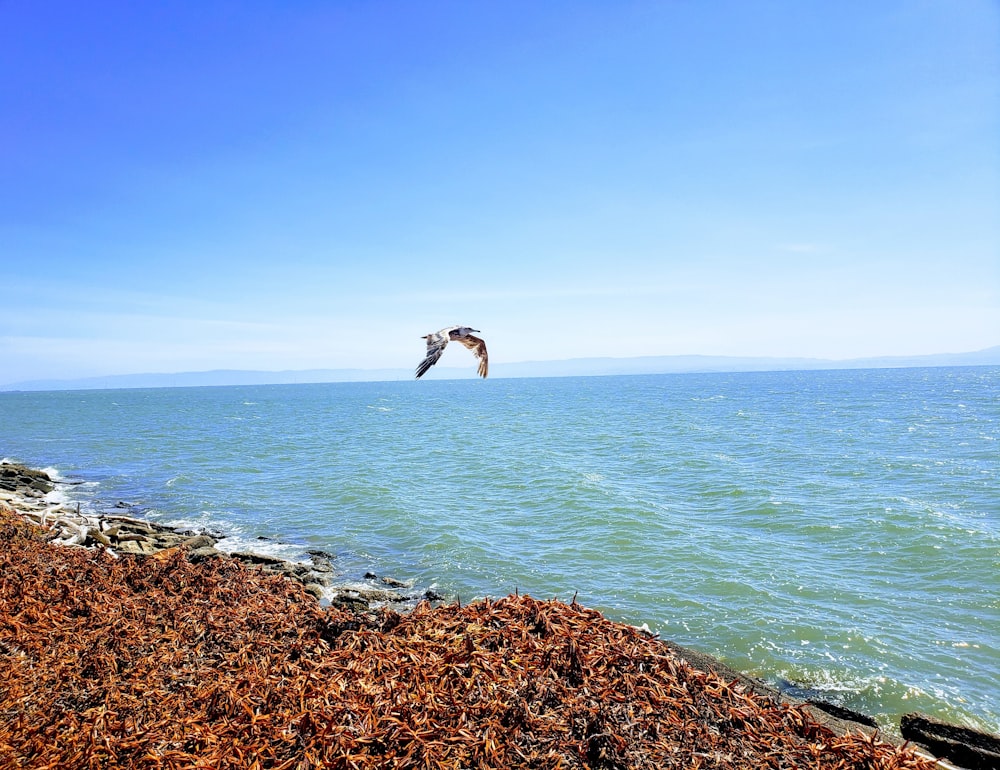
{"x": 583, "y": 366}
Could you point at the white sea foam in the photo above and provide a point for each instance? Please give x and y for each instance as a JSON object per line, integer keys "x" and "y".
{"x": 58, "y": 496}
{"x": 241, "y": 544}
{"x": 234, "y": 538}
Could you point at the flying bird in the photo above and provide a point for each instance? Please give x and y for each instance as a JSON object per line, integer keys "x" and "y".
{"x": 437, "y": 341}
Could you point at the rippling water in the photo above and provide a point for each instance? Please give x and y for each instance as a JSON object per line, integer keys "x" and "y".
{"x": 837, "y": 529}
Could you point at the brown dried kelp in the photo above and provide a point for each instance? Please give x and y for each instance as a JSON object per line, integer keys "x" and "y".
{"x": 157, "y": 662}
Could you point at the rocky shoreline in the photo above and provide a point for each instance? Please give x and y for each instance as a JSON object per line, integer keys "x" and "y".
{"x": 28, "y": 493}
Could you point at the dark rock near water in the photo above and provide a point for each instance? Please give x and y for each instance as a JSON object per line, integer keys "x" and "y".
{"x": 842, "y": 712}
{"x": 350, "y": 603}
{"x": 818, "y": 699}
{"x": 18, "y": 478}
{"x": 257, "y": 558}
{"x": 321, "y": 554}
{"x": 962, "y": 746}
{"x": 388, "y": 581}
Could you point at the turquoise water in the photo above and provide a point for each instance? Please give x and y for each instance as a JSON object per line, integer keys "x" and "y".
{"x": 836, "y": 529}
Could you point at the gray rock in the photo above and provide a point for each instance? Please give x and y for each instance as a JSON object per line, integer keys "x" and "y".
{"x": 258, "y": 558}
{"x": 199, "y": 541}
{"x": 204, "y": 553}
{"x": 320, "y": 578}
{"x": 137, "y": 546}
{"x": 379, "y": 595}
{"x": 349, "y": 603}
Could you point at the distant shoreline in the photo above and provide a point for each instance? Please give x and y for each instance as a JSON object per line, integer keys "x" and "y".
{"x": 579, "y": 367}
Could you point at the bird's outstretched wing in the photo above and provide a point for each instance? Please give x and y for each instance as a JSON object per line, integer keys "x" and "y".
{"x": 478, "y": 347}
{"x": 435, "y": 346}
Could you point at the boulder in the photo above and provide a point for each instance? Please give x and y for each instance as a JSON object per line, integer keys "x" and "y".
{"x": 14, "y": 477}
{"x": 349, "y": 603}
{"x": 258, "y": 558}
{"x": 199, "y": 541}
{"x": 204, "y": 553}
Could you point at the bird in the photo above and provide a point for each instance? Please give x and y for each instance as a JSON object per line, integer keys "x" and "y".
{"x": 437, "y": 341}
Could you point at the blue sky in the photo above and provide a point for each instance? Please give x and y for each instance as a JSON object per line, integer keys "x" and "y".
{"x": 189, "y": 186}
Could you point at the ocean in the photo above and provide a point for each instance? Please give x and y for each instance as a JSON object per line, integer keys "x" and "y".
{"x": 833, "y": 531}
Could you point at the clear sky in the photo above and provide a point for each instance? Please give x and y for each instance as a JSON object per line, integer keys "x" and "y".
{"x": 198, "y": 185}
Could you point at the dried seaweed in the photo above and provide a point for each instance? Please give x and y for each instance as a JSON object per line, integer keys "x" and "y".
{"x": 135, "y": 662}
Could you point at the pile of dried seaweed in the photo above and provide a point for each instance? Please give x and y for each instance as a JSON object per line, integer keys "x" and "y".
{"x": 157, "y": 662}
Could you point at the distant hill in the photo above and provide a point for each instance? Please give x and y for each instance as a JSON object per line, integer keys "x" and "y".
{"x": 214, "y": 377}
{"x": 573, "y": 367}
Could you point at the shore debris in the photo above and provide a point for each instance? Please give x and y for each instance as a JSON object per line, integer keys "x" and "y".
{"x": 160, "y": 662}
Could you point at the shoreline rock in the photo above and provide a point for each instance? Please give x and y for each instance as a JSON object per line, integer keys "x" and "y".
{"x": 961, "y": 746}
{"x": 26, "y": 491}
